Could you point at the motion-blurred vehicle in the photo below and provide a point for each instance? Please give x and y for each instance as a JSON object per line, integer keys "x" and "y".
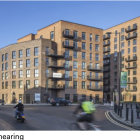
{"x": 20, "y": 116}
{"x": 60, "y": 101}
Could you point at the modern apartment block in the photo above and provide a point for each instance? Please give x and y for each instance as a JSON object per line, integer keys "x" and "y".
{"x": 63, "y": 59}
{"x": 123, "y": 38}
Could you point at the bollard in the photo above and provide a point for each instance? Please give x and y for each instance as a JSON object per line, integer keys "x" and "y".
{"x": 127, "y": 112}
{"x": 132, "y": 118}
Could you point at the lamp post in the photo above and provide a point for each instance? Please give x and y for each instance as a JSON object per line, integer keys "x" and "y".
{"x": 119, "y": 68}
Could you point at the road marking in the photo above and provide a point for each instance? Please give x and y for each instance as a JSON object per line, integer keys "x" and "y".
{"x": 116, "y": 123}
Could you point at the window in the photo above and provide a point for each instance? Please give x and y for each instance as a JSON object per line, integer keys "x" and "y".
{"x": 115, "y": 54}
{"x": 96, "y": 74}
{"x": 20, "y": 54}
{"x": 2, "y": 57}
{"x": 83, "y": 45}
{"x": 97, "y": 66}
{"x": 115, "y": 47}
{"x": 128, "y": 72}
{"x": 13, "y": 65}
{"x": 20, "y": 64}
{"x": 134, "y": 41}
{"x": 90, "y": 47}
{"x": 129, "y": 43}
{"x": 83, "y": 55}
{"x": 67, "y": 74}
{"x": 66, "y": 53}
{"x": 20, "y": 73}
{"x": 122, "y": 30}
{"x": 83, "y": 35}
{"x": 83, "y": 74}
{"x": 27, "y": 73}
{"x": 27, "y": 84}
{"x": 97, "y": 57}
{"x": 13, "y": 54}
{"x": 116, "y": 32}
{"x": 36, "y": 73}
{"x": 97, "y": 38}
{"x": 2, "y": 85}
{"x": 75, "y": 64}
{"x": 115, "y": 40}
{"x": 47, "y": 72}
{"x": 52, "y": 35}
{"x": 128, "y": 50}
{"x": 13, "y": 84}
{"x": 122, "y": 37}
{"x": 47, "y": 61}
{"x": 67, "y": 31}
{"x": 90, "y": 56}
{"x": 122, "y": 44}
{"x": 20, "y": 84}
{"x": 122, "y": 52}
{"x": 6, "y": 56}
{"x": 66, "y": 84}
{"x": 66, "y": 42}
{"x": 96, "y": 47}
{"x": 27, "y": 63}
{"x": 67, "y": 64}
{"x": 36, "y": 83}
{"x": 96, "y": 84}
{"x": 83, "y": 65}
{"x": 134, "y": 49}
{"x": 3, "y": 67}
{"x": 75, "y": 84}
{"x": 6, "y": 66}
{"x": 75, "y": 44}
{"x": 36, "y": 62}
{"x": 36, "y": 51}
{"x": 27, "y": 52}
{"x": 90, "y": 37}
{"x": 47, "y": 50}
{"x": 75, "y": 74}
{"x": 6, "y": 85}
{"x": 3, "y": 76}
{"x": 75, "y": 33}
{"x": 6, "y": 75}
{"x": 83, "y": 85}
{"x": 75, "y": 54}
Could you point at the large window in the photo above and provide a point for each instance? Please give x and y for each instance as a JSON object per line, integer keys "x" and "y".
{"x": 20, "y": 84}
{"x": 6, "y": 66}
{"x": 36, "y": 83}
{"x": 83, "y": 65}
{"x": 6, "y": 56}
{"x": 97, "y": 57}
{"x": 6, "y": 75}
{"x": 27, "y": 73}
{"x": 134, "y": 49}
{"x": 83, "y": 35}
{"x": 75, "y": 33}
{"x": 83, "y": 45}
{"x": 90, "y": 37}
{"x": 6, "y": 85}
{"x": 83, "y": 85}
{"x": 66, "y": 53}
{"x": 27, "y": 52}
{"x": 75, "y": 74}
{"x": 13, "y": 84}
{"x": 27, "y": 63}
{"x": 90, "y": 57}
{"x": 90, "y": 47}
{"x": 75, "y": 84}
{"x": 3, "y": 76}
{"x": 97, "y": 38}
{"x": 83, "y": 55}
{"x": 52, "y": 35}
{"x": 20, "y": 73}
{"x": 20, "y": 54}
{"x": 3, "y": 67}
{"x": 13, "y": 65}
{"x": 36, "y": 73}
{"x": 36, "y": 62}
{"x": 20, "y": 64}
{"x": 96, "y": 47}
{"x": 36, "y": 51}
{"x": 134, "y": 41}
{"x": 13, "y": 54}
{"x": 83, "y": 74}
{"x": 75, "y": 54}
{"x": 27, "y": 84}
{"x": 2, "y": 57}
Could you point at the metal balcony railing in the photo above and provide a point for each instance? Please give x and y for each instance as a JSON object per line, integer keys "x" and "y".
{"x": 131, "y": 67}
{"x": 129, "y": 59}
{"x": 95, "y": 78}
{"x": 127, "y": 30}
{"x": 94, "y": 68}
{"x": 56, "y": 87}
{"x": 95, "y": 88}
{"x": 131, "y": 36}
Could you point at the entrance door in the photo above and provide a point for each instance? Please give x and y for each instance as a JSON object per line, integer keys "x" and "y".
{"x": 27, "y": 98}
{"x": 96, "y": 98}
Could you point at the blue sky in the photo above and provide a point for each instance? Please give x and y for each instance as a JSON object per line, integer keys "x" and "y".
{"x": 21, "y": 18}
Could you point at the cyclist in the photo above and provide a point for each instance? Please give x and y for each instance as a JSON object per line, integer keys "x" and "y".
{"x": 86, "y": 109}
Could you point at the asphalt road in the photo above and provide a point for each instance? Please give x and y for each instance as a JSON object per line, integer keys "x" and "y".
{"x": 43, "y": 117}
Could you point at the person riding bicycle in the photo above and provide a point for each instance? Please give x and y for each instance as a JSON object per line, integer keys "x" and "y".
{"x": 19, "y": 108}
{"x": 86, "y": 109}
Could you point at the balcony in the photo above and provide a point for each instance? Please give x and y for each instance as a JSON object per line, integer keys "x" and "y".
{"x": 94, "y": 88}
{"x": 68, "y": 45}
{"x": 131, "y": 67}
{"x": 94, "y": 78}
{"x": 56, "y": 87}
{"x": 68, "y": 34}
{"x": 69, "y": 58}
{"x": 53, "y": 54}
{"x": 106, "y": 50}
{"x": 132, "y": 82}
{"x": 93, "y": 68}
{"x": 106, "y": 76}
{"x": 131, "y": 36}
{"x": 106, "y": 69}
{"x": 106, "y": 83}
{"x": 106, "y": 89}
{"x": 106, "y": 57}
{"x": 60, "y": 78}
{"x": 106, "y": 44}
{"x": 55, "y": 66}
{"x": 127, "y": 30}
{"x": 131, "y": 90}
{"x": 107, "y": 64}
{"x": 129, "y": 59}
{"x": 106, "y": 36}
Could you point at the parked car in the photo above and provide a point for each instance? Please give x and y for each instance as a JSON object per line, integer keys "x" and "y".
{"x": 60, "y": 101}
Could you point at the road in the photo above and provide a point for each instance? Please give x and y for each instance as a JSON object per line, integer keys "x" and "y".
{"x": 44, "y": 117}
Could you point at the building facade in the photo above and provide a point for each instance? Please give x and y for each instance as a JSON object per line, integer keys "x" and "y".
{"x": 63, "y": 59}
{"x": 121, "y": 54}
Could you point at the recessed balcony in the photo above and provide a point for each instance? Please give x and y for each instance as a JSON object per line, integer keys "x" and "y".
{"x": 55, "y": 55}
{"x": 106, "y": 36}
{"x": 94, "y": 78}
{"x": 106, "y": 44}
{"x": 131, "y": 36}
{"x": 95, "y": 88}
{"x": 129, "y": 59}
{"x": 68, "y": 34}
{"x": 94, "y": 68}
{"x": 131, "y": 67}
{"x": 134, "y": 28}
{"x": 56, "y": 66}
{"x": 131, "y": 90}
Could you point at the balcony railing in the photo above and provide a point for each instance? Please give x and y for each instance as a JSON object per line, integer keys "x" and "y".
{"x": 131, "y": 36}
{"x": 95, "y": 78}
{"x": 56, "y": 87}
{"x": 131, "y": 67}
{"x": 68, "y": 68}
{"x": 55, "y": 66}
{"x": 106, "y": 76}
{"x": 106, "y": 36}
{"x": 107, "y": 64}
{"x": 127, "y": 30}
{"x": 106, "y": 70}
{"x": 106, "y": 89}
{"x": 106, "y": 44}
{"x": 106, "y": 50}
{"x": 107, "y": 83}
{"x": 50, "y": 76}
{"x": 93, "y": 68}
{"x": 106, "y": 57}
{"x": 94, "y": 88}
{"x": 68, "y": 57}
{"x": 132, "y": 82}
{"x": 53, "y": 54}
{"x": 131, "y": 90}
{"x": 134, "y": 58}
{"x": 68, "y": 34}
{"x": 68, "y": 45}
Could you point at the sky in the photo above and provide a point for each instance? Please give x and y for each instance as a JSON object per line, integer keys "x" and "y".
{"x": 18, "y": 19}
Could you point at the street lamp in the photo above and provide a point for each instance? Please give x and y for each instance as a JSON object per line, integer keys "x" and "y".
{"x": 119, "y": 71}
